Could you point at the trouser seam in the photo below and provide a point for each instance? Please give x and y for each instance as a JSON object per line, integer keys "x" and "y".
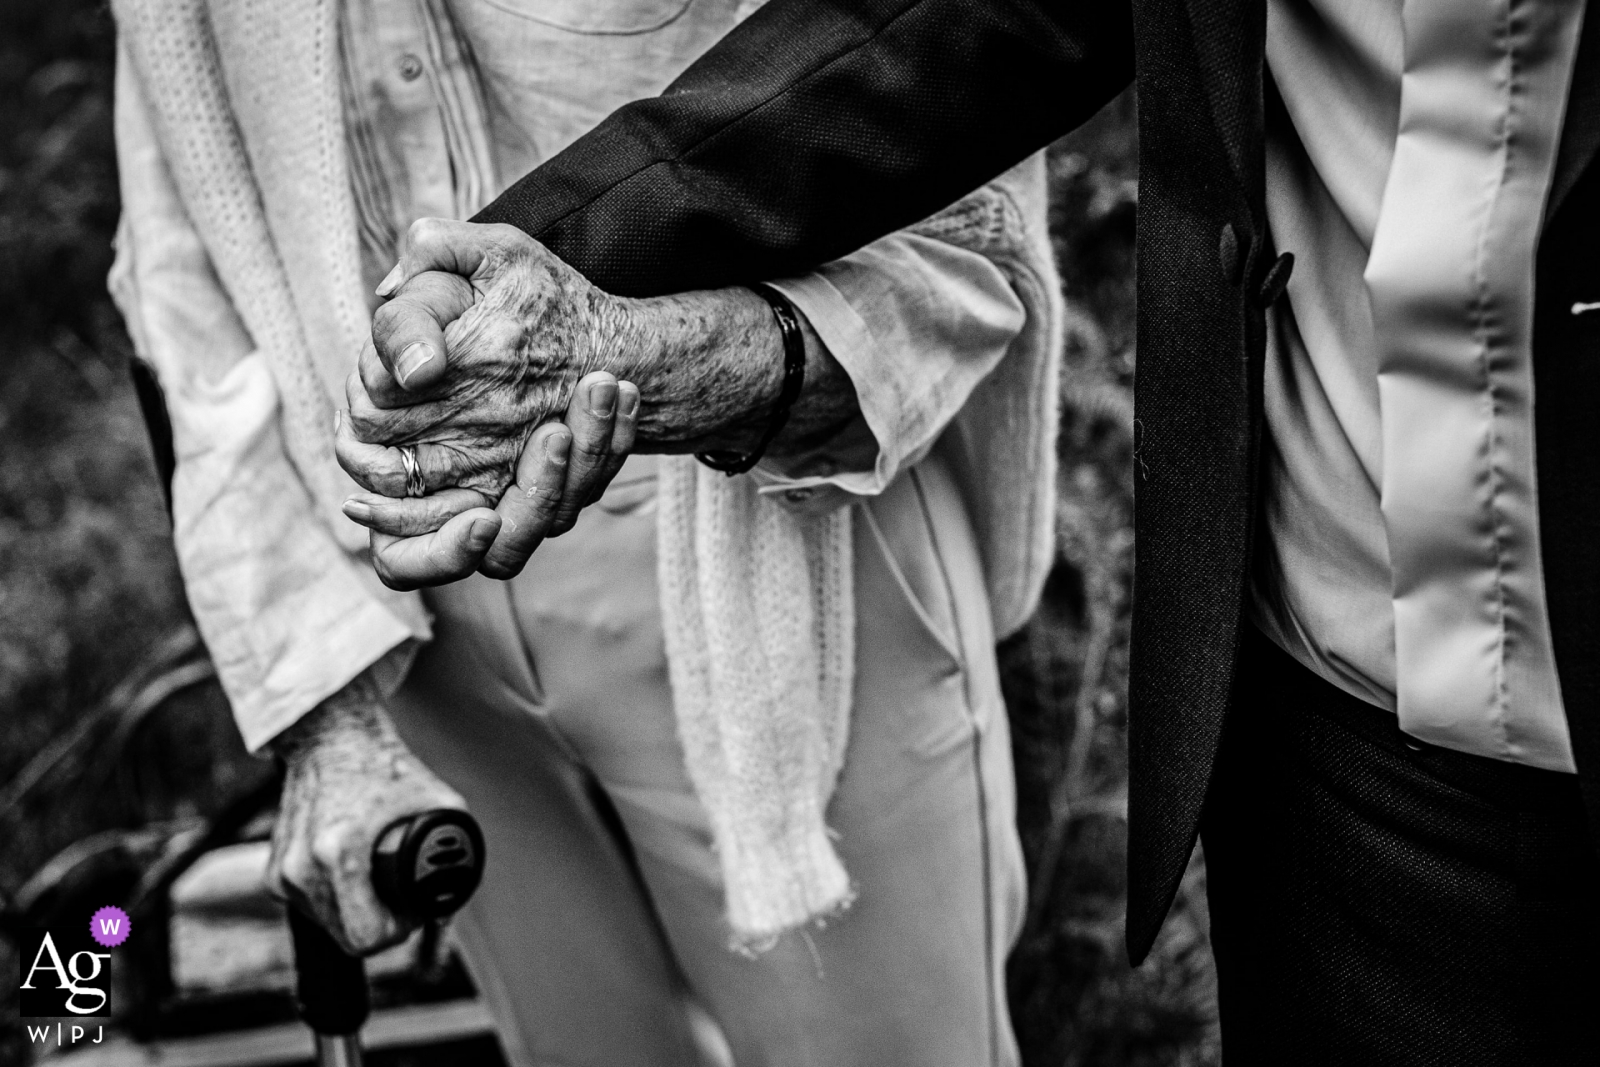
{"x": 985, "y": 840}
{"x": 986, "y": 846}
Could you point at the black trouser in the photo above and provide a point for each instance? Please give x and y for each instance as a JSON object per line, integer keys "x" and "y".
{"x": 1379, "y": 901}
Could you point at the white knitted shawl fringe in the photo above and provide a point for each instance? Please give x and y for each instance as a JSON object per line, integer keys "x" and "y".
{"x": 759, "y": 618}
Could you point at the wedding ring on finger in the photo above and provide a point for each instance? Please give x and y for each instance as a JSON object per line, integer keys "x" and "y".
{"x": 416, "y": 485}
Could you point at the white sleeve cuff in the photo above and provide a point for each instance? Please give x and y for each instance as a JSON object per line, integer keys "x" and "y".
{"x": 917, "y": 324}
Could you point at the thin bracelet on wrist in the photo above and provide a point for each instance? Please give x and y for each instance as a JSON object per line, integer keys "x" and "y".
{"x": 794, "y": 378}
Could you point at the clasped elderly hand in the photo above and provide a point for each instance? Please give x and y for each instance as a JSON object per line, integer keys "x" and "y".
{"x": 486, "y": 340}
{"x": 487, "y": 337}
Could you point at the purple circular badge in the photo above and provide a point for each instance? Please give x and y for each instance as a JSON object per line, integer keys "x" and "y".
{"x": 110, "y": 926}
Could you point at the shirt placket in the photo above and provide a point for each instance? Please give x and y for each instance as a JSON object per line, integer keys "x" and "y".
{"x": 408, "y": 80}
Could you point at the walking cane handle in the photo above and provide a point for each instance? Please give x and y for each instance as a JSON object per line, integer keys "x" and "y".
{"x": 424, "y": 867}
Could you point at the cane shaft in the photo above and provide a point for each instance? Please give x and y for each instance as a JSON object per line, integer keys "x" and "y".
{"x": 423, "y": 869}
{"x": 343, "y": 1050}
{"x": 330, "y": 986}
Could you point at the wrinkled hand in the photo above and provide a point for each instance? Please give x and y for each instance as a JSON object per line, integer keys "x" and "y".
{"x": 485, "y": 339}
{"x": 487, "y": 336}
{"x": 349, "y": 777}
{"x": 445, "y": 536}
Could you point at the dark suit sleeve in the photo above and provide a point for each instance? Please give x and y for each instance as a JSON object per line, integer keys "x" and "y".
{"x": 815, "y": 127}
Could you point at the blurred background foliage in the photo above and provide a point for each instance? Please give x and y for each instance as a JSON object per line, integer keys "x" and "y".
{"x": 94, "y": 630}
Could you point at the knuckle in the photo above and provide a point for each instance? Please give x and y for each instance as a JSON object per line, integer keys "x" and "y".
{"x": 544, "y": 495}
{"x": 383, "y": 482}
{"x": 347, "y": 463}
{"x": 371, "y": 374}
{"x": 593, "y": 445}
{"x": 430, "y": 300}
{"x": 297, "y": 870}
{"x": 329, "y": 848}
{"x": 363, "y": 414}
{"x": 367, "y": 423}
{"x": 363, "y": 937}
{"x": 383, "y": 319}
{"x": 425, "y": 230}
{"x": 510, "y": 238}
{"x": 354, "y": 388}
{"x": 386, "y": 322}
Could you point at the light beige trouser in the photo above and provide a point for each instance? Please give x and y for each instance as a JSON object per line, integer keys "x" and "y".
{"x": 541, "y": 693}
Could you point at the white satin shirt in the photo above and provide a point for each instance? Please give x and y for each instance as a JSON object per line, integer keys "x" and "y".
{"x": 1410, "y": 148}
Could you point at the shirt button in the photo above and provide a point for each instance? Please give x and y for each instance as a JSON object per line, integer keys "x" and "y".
{"x": 799, "y": 496}
{"x": 410, "y": 67}
{"x": 1276, "y": 281}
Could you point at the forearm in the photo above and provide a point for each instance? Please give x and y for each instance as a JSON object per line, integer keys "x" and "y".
{"x": 709, "y": 366}
{"x": 352, "y": 718}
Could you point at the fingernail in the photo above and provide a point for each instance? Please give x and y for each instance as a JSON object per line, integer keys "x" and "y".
{"x": 389, "y": 282}
{"x": 556, "y": 446}
{"x": 602, "y": 398}
{"x": 414, "y": 358}
{"x": 356, "y": 510}
{"x": 630, "y": 403}
{"x": 338, "y": 419}
{"x": 481, "y": 534}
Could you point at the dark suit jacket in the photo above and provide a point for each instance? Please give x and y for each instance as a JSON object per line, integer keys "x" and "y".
{"x": 819, "y": 125}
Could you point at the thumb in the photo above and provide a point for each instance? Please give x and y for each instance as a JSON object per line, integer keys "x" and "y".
{"x": 408, "y": 333}
{"x": 449, "y": 554}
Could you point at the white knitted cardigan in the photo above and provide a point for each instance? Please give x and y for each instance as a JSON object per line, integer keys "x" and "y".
{"x": 757, "y": 603}
{"x": 246, "y": 100}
